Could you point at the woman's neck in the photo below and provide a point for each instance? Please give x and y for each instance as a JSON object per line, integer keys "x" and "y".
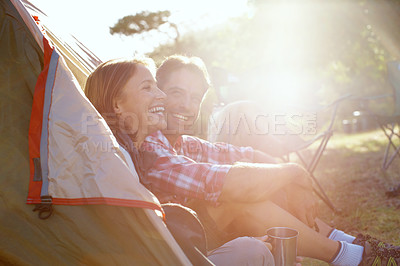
{"x": 139, "y": 138}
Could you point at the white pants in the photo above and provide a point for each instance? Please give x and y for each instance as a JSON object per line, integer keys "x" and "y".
{"x": 242, "y": 251}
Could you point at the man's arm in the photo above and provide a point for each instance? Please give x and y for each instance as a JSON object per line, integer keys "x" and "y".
{"x": 247, "y": 183}
{"x": 202, "y": 150}
{"x": 262, "y": 157}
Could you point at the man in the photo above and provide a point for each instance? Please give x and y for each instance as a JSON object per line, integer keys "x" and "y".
{"x": 233, "y": 198}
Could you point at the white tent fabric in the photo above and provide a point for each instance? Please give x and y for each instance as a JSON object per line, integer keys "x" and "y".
{"x": 75, "y": 160}
{"x": 80, "y": 159}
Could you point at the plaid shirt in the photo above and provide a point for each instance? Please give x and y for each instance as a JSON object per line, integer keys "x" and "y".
{"x": 193, "y": 168}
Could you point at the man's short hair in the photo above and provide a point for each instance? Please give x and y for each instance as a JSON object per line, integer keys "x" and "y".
{"x": 177, "y": 62}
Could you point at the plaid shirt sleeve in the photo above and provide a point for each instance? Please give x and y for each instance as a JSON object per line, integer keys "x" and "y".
{"x": 180, "y": 175}
{"x": 216, "y": 153}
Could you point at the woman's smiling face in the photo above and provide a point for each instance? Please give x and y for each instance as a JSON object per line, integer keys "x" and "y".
{"x": 140, "y": 105}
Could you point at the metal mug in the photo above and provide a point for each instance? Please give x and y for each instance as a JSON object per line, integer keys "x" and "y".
{"x": 284, "y": 245}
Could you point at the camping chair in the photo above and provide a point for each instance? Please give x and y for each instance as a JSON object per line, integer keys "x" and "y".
{"x": 388, "y": 123}
{"x": 223, "y": 129}
{"x": 321, "y": 140}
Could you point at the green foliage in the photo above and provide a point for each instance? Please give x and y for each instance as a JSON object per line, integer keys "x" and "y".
{"x": 307, "y": 51}
{"x": 340, "y": 46}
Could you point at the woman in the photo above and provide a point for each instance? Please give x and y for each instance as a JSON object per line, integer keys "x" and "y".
{"x": 126, "y": 95}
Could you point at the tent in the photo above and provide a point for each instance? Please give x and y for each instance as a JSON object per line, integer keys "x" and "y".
{"x": 58, "y": 155}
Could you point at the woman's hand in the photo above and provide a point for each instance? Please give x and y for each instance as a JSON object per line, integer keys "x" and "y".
{"x": 264, "y": 240}
{"x": 269, "y": 246}
{"x": 299, "y": 260}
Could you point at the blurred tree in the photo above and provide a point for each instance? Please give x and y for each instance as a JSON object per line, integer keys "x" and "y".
{"x": 337, "y": 47}
{"x": 342, "y": 45}
{"x": 143, "y": 22}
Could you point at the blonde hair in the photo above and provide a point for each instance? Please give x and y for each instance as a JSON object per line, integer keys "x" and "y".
{"x": 104, "y": 85}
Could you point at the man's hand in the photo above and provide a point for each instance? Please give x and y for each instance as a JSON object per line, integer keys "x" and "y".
{"x": 300, "y": 198}
{"x": 300, "y": 176}
{"x": 302, "y": 204}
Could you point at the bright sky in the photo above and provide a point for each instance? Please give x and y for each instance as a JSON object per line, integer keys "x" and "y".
{"x": 89, "y": 20}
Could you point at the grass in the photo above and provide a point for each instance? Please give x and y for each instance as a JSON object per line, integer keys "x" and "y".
{"x": 350, "y": 172}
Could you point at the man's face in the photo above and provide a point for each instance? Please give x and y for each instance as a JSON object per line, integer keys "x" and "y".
{"x": 184, "y": 90}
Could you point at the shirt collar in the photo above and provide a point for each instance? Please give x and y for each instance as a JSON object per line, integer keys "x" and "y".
{"x": 158, "y": 137}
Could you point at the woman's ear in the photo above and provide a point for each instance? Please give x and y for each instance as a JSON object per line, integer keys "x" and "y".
{"x": 116, "y": 106}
